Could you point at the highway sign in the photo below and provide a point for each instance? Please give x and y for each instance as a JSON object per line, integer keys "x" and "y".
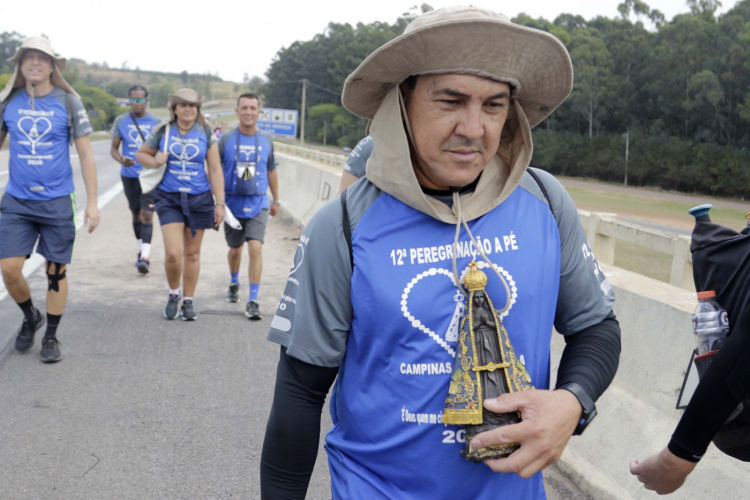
{"x": 278, "y": 121}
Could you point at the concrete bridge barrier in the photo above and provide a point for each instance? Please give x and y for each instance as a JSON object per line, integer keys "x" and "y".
{"x": 637, "y": 414}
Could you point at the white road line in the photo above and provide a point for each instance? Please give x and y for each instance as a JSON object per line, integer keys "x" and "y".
{"x": 36, "y": 261}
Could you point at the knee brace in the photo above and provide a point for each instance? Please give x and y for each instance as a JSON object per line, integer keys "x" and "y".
{"x": 53, "y": 280}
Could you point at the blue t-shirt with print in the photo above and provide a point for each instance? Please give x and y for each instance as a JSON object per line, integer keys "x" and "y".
{"x": 125, "y": 129}
{"x": 390, "y": 317}
{"x": 39, "y": 165}
{"x": 185, "y": 171}
{"x": 246, "y": 197}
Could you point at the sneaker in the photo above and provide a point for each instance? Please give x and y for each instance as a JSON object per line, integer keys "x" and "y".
{"x": 171, "y": 311}
{"x": 51, "y": 350}
{"x": 25, "y": 338}
{"x": 234, "y": 292}
{"x": 252, "y": 310}
{"x": 188, "y": 313}
{"x": 142, "y": 265}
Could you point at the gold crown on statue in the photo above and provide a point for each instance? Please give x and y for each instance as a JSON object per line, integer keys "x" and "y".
{"x": 475, "y": 279}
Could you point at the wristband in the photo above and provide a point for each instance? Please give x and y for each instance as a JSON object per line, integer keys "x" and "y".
{"x": 275, "y": 202}
{"x": 220, "y": 203}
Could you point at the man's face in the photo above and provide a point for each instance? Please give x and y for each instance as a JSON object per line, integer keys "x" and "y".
{"x": 248, "y": 111}
{"x": 138, "y": 101}
{"x": 186, "y": 112}
{"x": 224, "y": 125}
{"x": 456, "y": 121}
{"x": 36, "y": 67}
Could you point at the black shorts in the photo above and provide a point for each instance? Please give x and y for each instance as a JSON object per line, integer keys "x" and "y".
{"x": 252, "y": 229}
{"x": 137, "y": 199}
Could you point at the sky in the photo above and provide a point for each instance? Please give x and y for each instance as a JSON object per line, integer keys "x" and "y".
{"x": 238, "y": 36}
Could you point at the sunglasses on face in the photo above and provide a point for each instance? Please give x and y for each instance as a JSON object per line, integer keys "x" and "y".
{"x": 137, "y": 100}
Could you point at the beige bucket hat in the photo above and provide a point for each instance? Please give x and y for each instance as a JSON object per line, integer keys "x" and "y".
{"x": 189, "y": 96}
{"x": 41, "y": 44}
{"x": 467, "y": 40}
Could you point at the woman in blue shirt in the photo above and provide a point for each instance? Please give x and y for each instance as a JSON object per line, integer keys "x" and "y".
{"x": 183, "y": 197}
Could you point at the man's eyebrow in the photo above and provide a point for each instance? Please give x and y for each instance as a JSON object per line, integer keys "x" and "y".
{"x": 501, "y": 95}
{"x": 455, "y": 93}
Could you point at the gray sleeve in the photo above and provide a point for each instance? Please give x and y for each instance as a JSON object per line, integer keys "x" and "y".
{"x": 271, "y": 165}
{"x": 585, "y": 296}
{"x": 115, "y": 132}
{"x": 222, "y": 144}
{"x": 314, "y": 315}
{"x": 211, "y": 137}
{"x": 152, "y": 140}
{"x": 158, "y": 119}
{"x": 357, "y": 162}
{"x": 81, "y": 123}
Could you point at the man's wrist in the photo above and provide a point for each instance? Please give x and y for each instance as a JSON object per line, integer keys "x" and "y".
{"x": 276, "y": 202}
{"x": 588, "y": 408}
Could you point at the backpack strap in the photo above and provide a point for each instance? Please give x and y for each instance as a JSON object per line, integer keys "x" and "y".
{"x": 209, "y": 134}
{"x": 132, "y": 117}
{"x": 69, "y": 107}
{"x": 544, "y": 190}
{"x": 347, "y": 227}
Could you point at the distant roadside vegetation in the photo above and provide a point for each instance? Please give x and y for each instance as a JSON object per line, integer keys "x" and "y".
{"x": 99, "y": 84}
{"x": 679, "y": 88}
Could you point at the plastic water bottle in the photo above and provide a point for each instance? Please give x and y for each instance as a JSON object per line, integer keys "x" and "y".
{"x": 710, "y": 323}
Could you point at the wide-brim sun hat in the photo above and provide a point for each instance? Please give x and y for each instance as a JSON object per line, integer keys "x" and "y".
{"x": 188, "y": 96}
{"x": 467, "y": 40}
{"x": 42, "y": 44}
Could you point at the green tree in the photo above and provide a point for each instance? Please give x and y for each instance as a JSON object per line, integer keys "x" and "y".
{"x": 102, "y": 107}
{"x": 592, "y": 64}
{"x": 9, "y": 43}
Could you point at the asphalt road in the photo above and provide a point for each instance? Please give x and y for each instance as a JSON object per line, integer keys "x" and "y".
{"x": 142, "y": 407}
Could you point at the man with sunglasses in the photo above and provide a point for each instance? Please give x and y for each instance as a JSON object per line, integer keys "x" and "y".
{"x": 131, "y": 129}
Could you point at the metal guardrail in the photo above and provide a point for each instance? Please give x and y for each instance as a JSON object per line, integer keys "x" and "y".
{"x": 603, "y": 230}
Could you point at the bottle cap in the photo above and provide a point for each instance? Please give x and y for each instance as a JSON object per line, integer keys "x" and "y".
{"x": 706, "y": 295}
{"x": 700, "y": 210}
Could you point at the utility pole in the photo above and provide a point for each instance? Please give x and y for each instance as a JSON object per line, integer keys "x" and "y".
{"x": 302, "y": 125}
{"x": 627, "y": 148}
{"x": 325, "y": 131}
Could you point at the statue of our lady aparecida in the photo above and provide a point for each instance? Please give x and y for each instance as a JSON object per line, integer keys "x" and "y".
{"x": 485, "y": 367}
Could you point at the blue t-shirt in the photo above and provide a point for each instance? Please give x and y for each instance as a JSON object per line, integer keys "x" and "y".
{"x": 39, "y": 163}
{"x": 390, "y": 325}
{"x": 187, "y": 154}
{"x": 246, "y": 197}
{"x": 124, "y": 128}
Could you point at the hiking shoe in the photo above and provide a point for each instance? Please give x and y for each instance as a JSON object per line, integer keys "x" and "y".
{"x": 172, "y": 311}
{"x": 25, "y": 338}
{"x": 142, "y": 265}
{"x": 252, "y": 310}
{"x": 234, "y": 292}
{"x": 188, "y": 313}
{"x": 51, "y": 350}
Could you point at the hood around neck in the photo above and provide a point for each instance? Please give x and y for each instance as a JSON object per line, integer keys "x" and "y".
{"x": 390, "y": 167}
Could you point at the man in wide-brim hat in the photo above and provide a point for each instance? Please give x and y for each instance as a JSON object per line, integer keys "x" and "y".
{"x": 375, "y": 295}
{"x": 41, "y": 113}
